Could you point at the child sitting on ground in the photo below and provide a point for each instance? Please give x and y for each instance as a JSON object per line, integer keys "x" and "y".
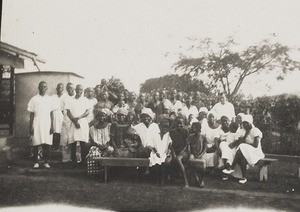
{"x": 198, "y": 144}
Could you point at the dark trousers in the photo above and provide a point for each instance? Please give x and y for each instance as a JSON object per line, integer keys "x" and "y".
{"x": 83, "y": 147}
{"x": 56, "y": 141}
{"x": 46, "y": 150}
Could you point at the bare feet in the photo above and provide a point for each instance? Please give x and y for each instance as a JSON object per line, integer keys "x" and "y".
{"x": 186, "y": 186}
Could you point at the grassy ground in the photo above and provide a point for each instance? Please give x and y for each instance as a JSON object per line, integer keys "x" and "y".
{"x": 20, "y": 185}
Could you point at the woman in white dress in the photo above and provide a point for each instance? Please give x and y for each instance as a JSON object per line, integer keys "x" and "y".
{"x": 249, "y": 150}
{"x": 211, "y": 133}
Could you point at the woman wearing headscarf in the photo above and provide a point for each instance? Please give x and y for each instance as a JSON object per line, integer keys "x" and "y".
{"x": 249, "y": 150}
{"x": 211, "y": 133}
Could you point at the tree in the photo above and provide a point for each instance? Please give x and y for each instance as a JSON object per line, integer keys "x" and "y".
{"x": 184, "y": 83}
{"x": 226, "y": 69}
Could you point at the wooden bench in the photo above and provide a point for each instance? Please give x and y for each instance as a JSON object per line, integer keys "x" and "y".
{"x": 127, "y": 162}
{"x": 287, "y": 158}
{"x": 263, "y": 168}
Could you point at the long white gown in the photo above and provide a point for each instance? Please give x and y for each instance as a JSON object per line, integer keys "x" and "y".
{"x": 41, "y": 106}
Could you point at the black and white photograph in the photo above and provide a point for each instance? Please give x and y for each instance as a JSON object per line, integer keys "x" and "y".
{"x": 150, "y": 105}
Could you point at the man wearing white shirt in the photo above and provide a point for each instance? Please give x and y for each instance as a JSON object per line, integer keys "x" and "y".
{"x": 93, "y": 101}
{"x": 66, "y": 135}
{"x": 41, "y": 109}
{"x": 223, "y": 108}
{"x": 58, "y": 116}
{"x": 189, "y": 109}
{"x": 78, "y": 110}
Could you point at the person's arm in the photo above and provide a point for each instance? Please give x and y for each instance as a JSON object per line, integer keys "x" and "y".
{"x": 52, "y": 123}
{"x": 31, "y": 130}
{"x": 85, "y": 114}
{"x": 204, "y": 147}
{"x": 256, "y": 141}
{"x": 75, "y": 121}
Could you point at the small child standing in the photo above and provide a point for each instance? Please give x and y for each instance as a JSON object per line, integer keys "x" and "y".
{"x": 198, "y": 144}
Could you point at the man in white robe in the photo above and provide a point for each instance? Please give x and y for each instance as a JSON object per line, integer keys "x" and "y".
{"x": 66, "y": 135}
{"x": 58, "y": 115}
{"x": 78, "y": 110}
{"x": 41, "y": 123}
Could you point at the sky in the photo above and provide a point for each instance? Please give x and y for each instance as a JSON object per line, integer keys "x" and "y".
{"x": 135, "y": 40}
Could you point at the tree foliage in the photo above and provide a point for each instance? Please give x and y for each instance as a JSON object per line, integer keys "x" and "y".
{"x": 185, "y": 83}
{"x": 226, "y": 69}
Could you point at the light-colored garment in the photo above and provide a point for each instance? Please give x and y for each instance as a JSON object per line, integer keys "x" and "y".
{"x": 227, "y": 152}
{"x": 162, "y": 149}
{"x": 66, "y": 135}
{"x": 92, "y": 103}
{"x": 78, "y": 107}
{"x": 149, "y": 136}
{"x": 41, "y": 106}
{"x": 100, "y": 136}
{"x": 210, "y": 135}
{"x": 192, "y": 110}
{"x": 226, "y": 109}
{"x": 117, "y": 107}
{"x": 58, "y": 115}
{"x": 252, "y": 154}
{"x": 177, "y": 106}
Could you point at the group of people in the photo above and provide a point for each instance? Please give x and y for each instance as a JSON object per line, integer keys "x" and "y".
{"x": 168, "y": 128}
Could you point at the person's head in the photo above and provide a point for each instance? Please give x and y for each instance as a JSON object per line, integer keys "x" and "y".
{"x": 79, "y": 90}
{"x": 196, "y": 127}
{"x": 155, "y": 96}
{"x": 103, "y": 82}
{"x": 164, "y": 125}
{"x": 173, "y": 94}
{"x": 247, "y": 122}
{"x": 105, "y": 95}
{"x": 59, "y": 88}
{"x": 147, "y": 116}
{"x": 89, "y": 92}
{"x": 179, "y": 96}
{"x": 162, "y": 95}
{"x": 202, "y": 113}
{"x": 211, "y": 118}
{"x": 70, "y": 89}
{"x": 97, "y": 90}
{"x": 239, "y": 118}
{"x": 188, "y": 100}
{"x": 121, "y": 115}
{"x": 172, "y": 115}
{"x": 197, "y": 96}
{"x": 222, "y": 98}
{"x": 121, "y": 96}
{"x": 121, "y": 103}
{"x": 225, "y": 122}
{"x": 142, "y": 97}
{"x": 132, "y": 96}
{"x": 42, "y": 88}
{"x": 233, "y": 127}
{"x": 179, "y": 123}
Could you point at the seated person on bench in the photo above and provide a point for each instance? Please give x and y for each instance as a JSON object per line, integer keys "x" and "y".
{"x": 119, "y": 133}
{"x": 100, "y": 133}
{"x": 249, "y": 150}
{"x": 198, "y": 144}
{"x": 149, "y": 133}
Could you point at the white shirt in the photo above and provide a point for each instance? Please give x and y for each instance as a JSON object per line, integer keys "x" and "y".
{"x": 41, "y": 106}
{"x": 192, "y": 110}
{"x": 149, "y": 136}
{"x": 226, "y": 109}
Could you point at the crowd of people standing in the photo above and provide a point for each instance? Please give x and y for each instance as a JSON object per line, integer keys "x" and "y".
{"x": 166, "y": 127}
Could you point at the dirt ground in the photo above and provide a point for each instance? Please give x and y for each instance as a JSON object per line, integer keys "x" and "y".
{"x": 20, "y": 185}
